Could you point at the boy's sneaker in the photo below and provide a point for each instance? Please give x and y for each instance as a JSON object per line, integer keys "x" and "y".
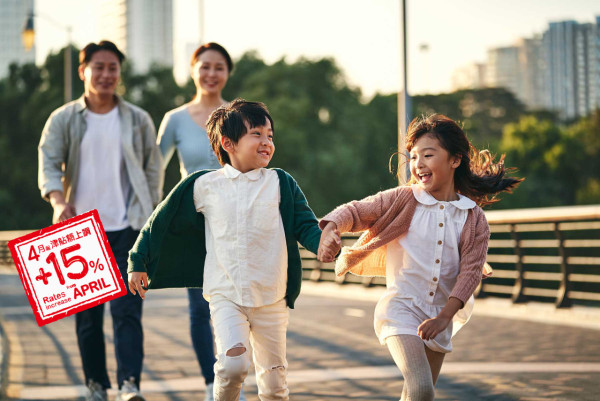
{"x": 96, "y": 392}
{"x": 209, "y": 392}
{"x": 242, "y": 396}
{"x": 129, "y": 391}
{"x": 210, "y": 397}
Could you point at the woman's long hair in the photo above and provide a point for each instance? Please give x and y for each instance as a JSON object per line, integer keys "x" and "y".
{"x": 478, "y": 176}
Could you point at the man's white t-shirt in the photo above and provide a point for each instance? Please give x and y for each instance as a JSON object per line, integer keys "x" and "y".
{"x": 102, "y": 179}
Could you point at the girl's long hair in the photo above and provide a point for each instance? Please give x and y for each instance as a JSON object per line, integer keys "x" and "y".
{"x": 478, "y": 176}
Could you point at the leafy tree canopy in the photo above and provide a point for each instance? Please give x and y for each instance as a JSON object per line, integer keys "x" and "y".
{"x": 334, "y": 143}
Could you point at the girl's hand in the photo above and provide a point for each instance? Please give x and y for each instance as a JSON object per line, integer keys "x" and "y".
{"x": 138, "y": 283}
{"x": 432, "y": 327}
{"x": 330, "y": 243}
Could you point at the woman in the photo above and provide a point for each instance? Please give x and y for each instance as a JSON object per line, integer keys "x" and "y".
{"x": 184, "y": 129}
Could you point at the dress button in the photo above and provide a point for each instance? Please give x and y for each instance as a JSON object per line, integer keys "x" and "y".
{"x": 441, "y": 224}
{"x": 439, "y": 242}
{"x": 431, "y": 294}
{"x": 435, "y": 279}
{"x": 441, "y": 207}
{"x": 437, "y": 261}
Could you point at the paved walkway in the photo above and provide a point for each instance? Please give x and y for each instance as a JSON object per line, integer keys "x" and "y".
{"x": 504, "y": 353}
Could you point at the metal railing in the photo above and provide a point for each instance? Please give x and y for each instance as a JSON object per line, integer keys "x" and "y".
{"x": 547, "y": 254}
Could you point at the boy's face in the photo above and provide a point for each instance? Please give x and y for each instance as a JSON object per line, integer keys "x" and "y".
{"x": 254, "y": 149}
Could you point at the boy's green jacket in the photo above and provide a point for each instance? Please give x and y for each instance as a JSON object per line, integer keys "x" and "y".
{"x": 171, "y": 246}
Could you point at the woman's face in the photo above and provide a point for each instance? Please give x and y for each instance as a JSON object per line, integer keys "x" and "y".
{"x": 210, "y": 72}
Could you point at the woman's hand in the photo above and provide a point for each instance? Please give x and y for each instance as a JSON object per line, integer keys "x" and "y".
{"x": 138, "y": 283}
{"x": 330, "y": 243}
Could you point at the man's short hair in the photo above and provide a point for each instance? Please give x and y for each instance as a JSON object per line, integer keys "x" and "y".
{"x": 228, "y": 121}
{"x": 85, "y": 55}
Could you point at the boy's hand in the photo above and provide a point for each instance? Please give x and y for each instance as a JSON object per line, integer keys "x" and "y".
{"x": 330, "y": 243}
{"x": 138, "y": 283}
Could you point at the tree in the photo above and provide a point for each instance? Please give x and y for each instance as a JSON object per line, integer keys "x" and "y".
{"x": 483, "y": 112}
{"x": 557, "y": 162}
{"x": 27, "y": 97}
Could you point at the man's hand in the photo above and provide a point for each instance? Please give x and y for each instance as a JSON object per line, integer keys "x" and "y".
{"x": 330, "y": 243}
{"x": 62, "y": 209}
{"x": 138, "y": 283}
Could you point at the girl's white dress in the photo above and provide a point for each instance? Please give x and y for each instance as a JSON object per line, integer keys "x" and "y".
{"x": 421, "y": 271}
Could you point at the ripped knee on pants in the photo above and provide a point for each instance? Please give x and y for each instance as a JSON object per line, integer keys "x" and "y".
{"x": 236, "y": 350}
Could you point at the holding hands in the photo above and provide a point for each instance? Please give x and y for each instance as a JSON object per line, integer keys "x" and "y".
{"x": 330, "y": 243}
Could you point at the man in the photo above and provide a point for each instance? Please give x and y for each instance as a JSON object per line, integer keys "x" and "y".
{"x": 99, "y": 152}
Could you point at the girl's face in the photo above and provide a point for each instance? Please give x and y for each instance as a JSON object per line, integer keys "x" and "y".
{"x": 210, "y": 73}
{"x": 433, "y": 168}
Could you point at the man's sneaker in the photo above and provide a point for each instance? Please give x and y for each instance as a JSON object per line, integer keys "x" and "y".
{"x": 209, "y": 392}
{"x": 96, "y": 392}
{"x": 129, "y": 391}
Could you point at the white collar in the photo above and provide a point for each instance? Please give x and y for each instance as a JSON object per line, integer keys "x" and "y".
{"x": 425, "y": 198}
{"x": 233, "y": 173}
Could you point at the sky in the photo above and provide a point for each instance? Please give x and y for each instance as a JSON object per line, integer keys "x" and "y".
{"x": 363, "y": 36}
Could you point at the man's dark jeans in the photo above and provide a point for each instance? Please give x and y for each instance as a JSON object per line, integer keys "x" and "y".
{"x": 126, "y": 313}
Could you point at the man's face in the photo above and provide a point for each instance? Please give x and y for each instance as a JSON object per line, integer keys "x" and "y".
{"x": 101, "y": 74}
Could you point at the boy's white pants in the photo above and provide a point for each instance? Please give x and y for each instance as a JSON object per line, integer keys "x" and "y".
{"x": 264, "y": 328}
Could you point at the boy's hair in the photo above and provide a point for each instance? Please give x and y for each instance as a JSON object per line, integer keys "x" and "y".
{"x": 85, "y": 55}
{"x": 478, "y": 176}
{"x": 216, "y": 47}
{"x": 229, "y": 121}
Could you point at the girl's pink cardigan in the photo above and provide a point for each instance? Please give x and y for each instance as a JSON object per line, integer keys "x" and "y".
{"x": 387, "y": 215}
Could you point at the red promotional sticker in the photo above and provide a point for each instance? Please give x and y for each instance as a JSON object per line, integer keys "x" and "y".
{"x": 67, "y": 267}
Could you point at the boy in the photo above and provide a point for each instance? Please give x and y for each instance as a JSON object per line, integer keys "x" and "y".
{"x": 234, "y": 232}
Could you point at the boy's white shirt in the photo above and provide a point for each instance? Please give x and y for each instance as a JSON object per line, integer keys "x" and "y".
{"x": 246, "y": 253}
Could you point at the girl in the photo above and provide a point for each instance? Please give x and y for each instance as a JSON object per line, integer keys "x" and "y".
{"x": 430, "y": 240}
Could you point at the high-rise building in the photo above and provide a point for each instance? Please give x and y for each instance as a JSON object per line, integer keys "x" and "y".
{"x": 503, "y": 70}
{"x": 184, "y": 52}
{"x": 560, "y": 73}
{"x": 13, "y": 14}
{"x": 143, "y": 29}
{"x": 586, "y": 54}
{"x": 470, "y": 76}
{"x": 531, "y": 65}
{"x": 596, "y": 60}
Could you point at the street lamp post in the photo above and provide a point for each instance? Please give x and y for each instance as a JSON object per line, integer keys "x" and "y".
{"x": 28, "y": 36}
{"x": 403, "y": 103}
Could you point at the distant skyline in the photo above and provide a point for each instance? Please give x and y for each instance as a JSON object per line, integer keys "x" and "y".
{"x": 363, "y": 37}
